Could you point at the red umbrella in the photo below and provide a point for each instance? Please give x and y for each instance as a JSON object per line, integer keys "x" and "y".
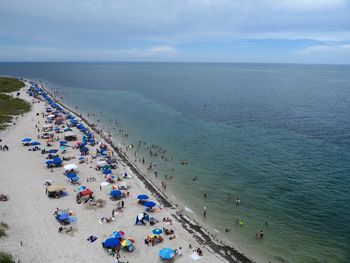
{"x": 86, "y": 192}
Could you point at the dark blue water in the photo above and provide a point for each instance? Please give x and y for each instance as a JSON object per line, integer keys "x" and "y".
{"x": 277, "y": 136}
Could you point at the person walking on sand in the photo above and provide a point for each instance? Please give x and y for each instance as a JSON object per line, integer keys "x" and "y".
{"x": 205, "y": 211}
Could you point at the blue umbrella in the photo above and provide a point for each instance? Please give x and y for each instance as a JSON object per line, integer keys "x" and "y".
{"x": 26, "y": 140}
{"x": 49, "y": 162}
{"x": 149, "y": 204}
{"x": 71, "y": 175}
{"x": 107, "y": 171}
{"x": 81, "y": 158}
{"x": 81, "y": 188}
{"x": 166, "y": 253}
{"x": 73, "y": 219}
{"x": 116, "y": 193}
{"x": 63, "y": 216}
{"x": 75, "y": 179}
{"x": 157, "y": 231}
{"x": 85, "y": 149}
{"x": 142, "y": 197}
{"x": 35, "y": 143}
{"x": 63, "y": 142}
{"x": 112, "y": 242}
{"x": 57, "y": 160}
{"x": 53, "y": 151}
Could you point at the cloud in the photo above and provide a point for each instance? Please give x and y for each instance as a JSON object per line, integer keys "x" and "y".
{"x": 156, "y": 28}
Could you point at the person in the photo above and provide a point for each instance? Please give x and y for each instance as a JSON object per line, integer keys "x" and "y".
{"x": 261, "y": 234}
{"x": 238, "y": 201}
{"x": 205, "y": 211}
{"x": 205, "y": 195}
{"x": 122, "y": 204}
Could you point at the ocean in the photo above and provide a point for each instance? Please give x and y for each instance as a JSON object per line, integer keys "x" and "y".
{"x": 276, "y": 136}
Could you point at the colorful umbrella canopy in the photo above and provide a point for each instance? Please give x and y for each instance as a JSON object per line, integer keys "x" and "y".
{"x": 157, "y": 231}
{"x": 112, "y": 242}
{"x": 126, "y": 242}
{"x": 118, "y": 234}
{"x": 142, "y": 197}
{"x": 166, "y": 253}
{"x": 149, "y": 204}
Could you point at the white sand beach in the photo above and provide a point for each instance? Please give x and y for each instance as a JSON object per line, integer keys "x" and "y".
{"x": 29, "y": 212}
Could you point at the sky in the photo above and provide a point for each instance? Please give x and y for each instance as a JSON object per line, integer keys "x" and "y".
{"x": 277, "y": 31}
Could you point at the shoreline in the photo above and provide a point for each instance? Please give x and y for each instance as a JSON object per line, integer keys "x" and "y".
{"x": 189, "y": 224}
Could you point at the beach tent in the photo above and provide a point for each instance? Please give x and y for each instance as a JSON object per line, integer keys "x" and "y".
{"x": 70, "y": 167}
{"x": 167, "y": 253}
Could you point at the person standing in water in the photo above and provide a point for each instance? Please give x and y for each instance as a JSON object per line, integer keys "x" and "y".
{"x": 205, "y": 211}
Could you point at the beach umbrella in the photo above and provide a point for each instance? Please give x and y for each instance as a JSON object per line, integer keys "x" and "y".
{"x": 81, "y": 158}
{"x": 72, "y": 219}
{"x": 106, "y": 167}
{"x": 53, "y": 151}
{"x": 112, "y": 242}
{"x": 81, "y": 188}
{"x": 63, "y": 216}
{"x": 35, "y": 143}
{"x": 142, "y": 197}
{"x": 86, "y": 192}
{"x": 71, "y": 175}
{"x": 149, "y": 204}
{"x": 104, "y": 184}
{"x": 26, "y": 140}
{"x": 49, "y": 162}
{"x": 63, "y": 143}
{"x": 75, "y": 179}
{"x": 153, "y": 236}
{"x": 116, "y": 193}
{"x": 57, "y": 160}
{"x": 157, "y": 231}
{"x": 126, "y": 242}
{"x": 107, "y": 171}
{"x": 118, "y": 234}
{"x": 166, "y": 253}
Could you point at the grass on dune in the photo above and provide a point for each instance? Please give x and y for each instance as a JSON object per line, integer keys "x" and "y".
{"x": 10, "y": 106}
{"x": 6, "y": 258}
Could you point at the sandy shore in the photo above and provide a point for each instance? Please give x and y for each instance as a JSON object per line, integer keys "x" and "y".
{"x": 29, "y": 212}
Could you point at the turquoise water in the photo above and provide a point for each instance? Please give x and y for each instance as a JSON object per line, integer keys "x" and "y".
{"x": 276, "y": 136}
